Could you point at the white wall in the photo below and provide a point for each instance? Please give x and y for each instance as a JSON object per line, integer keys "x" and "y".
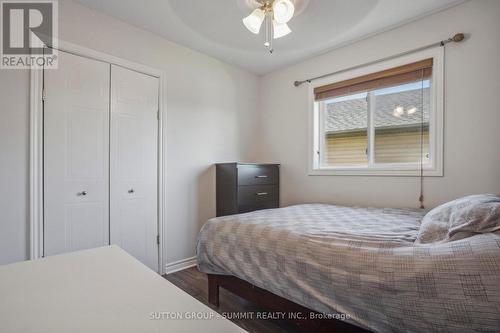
{"x": 210, "y": 118}
{"x": 472, "y": 114}
{"x": 14, "y": 159}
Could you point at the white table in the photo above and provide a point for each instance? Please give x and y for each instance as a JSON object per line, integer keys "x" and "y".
{"x": 98, "y": 290}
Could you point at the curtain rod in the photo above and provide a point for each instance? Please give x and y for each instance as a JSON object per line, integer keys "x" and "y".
{"x": 457, "y": 39}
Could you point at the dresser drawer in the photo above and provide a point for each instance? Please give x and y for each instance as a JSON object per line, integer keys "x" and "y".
{"x": 258, "y": 174}
{"x": 246, "y": 187}
{"x": 249, "y": 195}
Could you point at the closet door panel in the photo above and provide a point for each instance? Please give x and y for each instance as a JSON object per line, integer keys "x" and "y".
{"x": 76, "y": 155}
{"x": 134, "y": 174}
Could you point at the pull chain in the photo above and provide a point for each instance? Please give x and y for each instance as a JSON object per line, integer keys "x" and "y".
{"x": 269, "y": 31}
{"x": 421, "y": 197}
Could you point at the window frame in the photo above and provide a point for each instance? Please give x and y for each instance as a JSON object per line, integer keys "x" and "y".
{"x": 434, "y": 169}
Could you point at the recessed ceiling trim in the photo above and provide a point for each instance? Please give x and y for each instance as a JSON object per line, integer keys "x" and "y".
{"x": 322, "y": 26}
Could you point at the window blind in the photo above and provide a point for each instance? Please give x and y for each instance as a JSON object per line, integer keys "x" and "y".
{"x": 390, "y": 77}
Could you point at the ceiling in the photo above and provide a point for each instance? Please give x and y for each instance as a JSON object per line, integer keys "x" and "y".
{"x": 214, "y": 27}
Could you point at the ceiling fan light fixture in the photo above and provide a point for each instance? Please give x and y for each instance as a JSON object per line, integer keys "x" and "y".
{"x": 398, "y": 111}
{"x": 274, "y": 15}
{"x": 412, "y": 110}
{"x": 253, "y": 22}
{"x": 280, "y": 29}
{"x": 283, "y": 10}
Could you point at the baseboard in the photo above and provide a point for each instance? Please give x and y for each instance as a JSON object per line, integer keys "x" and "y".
{"x": 179, "y": 265}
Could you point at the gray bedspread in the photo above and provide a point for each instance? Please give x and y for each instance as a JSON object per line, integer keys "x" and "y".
{"x": 361, "y": 262}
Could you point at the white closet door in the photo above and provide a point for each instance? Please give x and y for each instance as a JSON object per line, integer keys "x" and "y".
{"x": 134, "y": 174}
{"x": 76, "y": 155}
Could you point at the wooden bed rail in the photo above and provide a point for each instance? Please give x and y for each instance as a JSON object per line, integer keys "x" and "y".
{"x": 308, "y": 321}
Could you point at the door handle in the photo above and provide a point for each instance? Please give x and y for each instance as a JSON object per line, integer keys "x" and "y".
{"x": 82, "y": 193}
{"x": 131, "y": 191}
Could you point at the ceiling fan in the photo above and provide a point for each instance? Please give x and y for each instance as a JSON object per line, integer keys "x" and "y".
{"x": 275, "y": 14}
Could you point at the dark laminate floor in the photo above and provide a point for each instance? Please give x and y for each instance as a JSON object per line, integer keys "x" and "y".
{"x": 194, "y": 283}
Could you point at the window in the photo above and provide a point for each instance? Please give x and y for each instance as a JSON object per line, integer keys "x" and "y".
{"x": 385, "y": 122}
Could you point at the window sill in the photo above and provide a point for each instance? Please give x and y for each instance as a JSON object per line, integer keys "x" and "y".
{"x": 374, "y": 172}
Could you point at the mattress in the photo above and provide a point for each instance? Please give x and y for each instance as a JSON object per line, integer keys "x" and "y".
{"x": 360, "y": 262}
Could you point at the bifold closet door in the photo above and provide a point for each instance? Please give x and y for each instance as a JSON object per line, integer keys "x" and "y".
{"x": 134, "y": 164}
{"x": 76, "y": 155}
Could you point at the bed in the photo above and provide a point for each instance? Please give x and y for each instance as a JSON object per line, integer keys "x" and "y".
{"x": 360, "y": 262}
{"x": 98, "y": 290}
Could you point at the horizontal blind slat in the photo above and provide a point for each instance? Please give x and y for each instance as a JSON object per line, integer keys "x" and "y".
{"x": 394, "y": 76}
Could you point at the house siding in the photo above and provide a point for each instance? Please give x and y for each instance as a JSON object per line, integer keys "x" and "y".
{"x": 399, "y": 146}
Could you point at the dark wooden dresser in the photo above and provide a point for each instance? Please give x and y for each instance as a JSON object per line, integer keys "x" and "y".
{"x": 244, "y": 187}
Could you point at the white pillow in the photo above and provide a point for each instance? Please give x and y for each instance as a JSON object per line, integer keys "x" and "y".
{"x": 461, "y": 218}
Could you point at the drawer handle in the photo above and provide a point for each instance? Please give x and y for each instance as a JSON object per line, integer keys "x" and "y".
{"x": 261, "y": 193}
{"x": 263, "y": 176}
{"x": 81, "y": 193}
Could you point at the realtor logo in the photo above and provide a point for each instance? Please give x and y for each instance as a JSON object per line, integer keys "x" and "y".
{"x": 29, "y": 34}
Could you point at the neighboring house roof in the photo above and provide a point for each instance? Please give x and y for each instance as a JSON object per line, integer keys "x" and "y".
{"x": 351, "y": 115}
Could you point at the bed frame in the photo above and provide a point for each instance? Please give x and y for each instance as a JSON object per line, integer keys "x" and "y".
{"x": 272, "y": 302}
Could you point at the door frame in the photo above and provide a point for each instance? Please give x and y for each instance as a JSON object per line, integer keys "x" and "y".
{"x": 36, "y": 146}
